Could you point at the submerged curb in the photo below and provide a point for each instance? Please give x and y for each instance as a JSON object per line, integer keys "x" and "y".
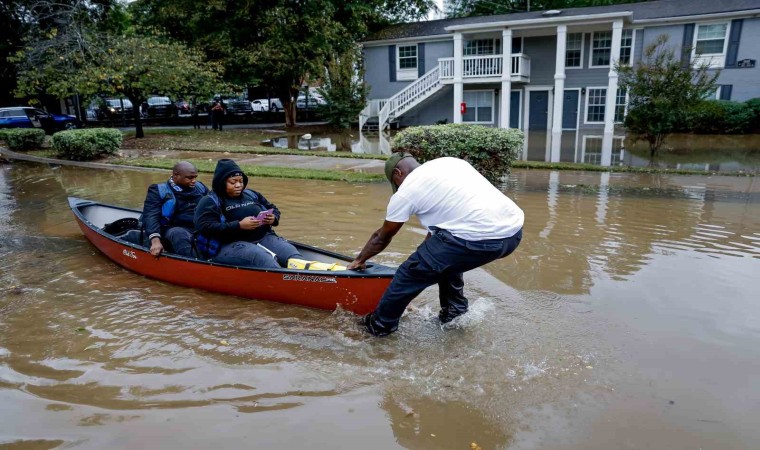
{"x": 8, "y": 154}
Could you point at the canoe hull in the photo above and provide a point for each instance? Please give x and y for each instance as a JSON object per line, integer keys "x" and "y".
{"x": 317, "y": 289}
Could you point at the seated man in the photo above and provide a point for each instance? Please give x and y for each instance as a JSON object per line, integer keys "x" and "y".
{"x": 169, "y": 210}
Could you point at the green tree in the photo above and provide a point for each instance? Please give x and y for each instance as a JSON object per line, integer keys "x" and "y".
{"x": 134, "y": 67}
{"x": 343, "y": 88}
{"x": 662, "y": 91}
{"x": 26, "y": 24}
{"x": 276, "y": 44}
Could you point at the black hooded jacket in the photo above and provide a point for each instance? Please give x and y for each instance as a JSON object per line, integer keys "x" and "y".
{"x": 208, "y": 216}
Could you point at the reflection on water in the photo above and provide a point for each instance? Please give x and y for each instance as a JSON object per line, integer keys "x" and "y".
{"x": 685, "y": 152}
{"x": 631, "y": 297}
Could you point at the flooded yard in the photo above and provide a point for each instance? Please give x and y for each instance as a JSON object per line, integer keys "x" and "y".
{"x": 628, "y": 318}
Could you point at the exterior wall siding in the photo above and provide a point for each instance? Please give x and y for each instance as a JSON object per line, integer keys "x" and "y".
{"x": 431, "y": 111}
{"x": 745, "y": 82}
{"x": 377, "y": 73}
{"x": 542, "y": 52}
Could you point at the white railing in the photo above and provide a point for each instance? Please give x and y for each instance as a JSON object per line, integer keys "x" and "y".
{"x": 481, "y": 66}
{"x": 520, "y": 66}
{"x": 446, "y": 67}
{"x": 409, "y": 97}
{"x": 486, "y": 66}
{"x": 372, "y": 109}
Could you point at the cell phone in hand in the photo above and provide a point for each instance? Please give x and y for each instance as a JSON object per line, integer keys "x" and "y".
{"x": 263, "y": 214}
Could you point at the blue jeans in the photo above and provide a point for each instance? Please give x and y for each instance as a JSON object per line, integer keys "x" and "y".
{"x": 180, "y": 240}
{"x": 244, "y": 253}
{"x": 441, "y": 259}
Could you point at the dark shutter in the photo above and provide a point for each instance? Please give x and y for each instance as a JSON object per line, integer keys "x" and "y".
{"x": 420, "y": 59}
{"x": 733, "y": 42}
{"x": 392, "y": 62}
{"x": 725, "y": 91}
{"x": 688, "y": 39}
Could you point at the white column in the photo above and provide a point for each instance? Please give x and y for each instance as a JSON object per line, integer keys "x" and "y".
{"x": 506, "y": 77}
{"x": 559, "y": 93}
{"x": 458, "y": 86}
{"x": 612, "y": 85}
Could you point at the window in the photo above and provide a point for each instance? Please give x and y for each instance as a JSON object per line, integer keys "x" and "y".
{"x": 479, "y": 106}
{"x": 407, "y": 57}
{"x": 592, "y": 150}
{"x": 710, "y": 44}
{"x": 480, "y": 47}
{"x": 601, "y": 48}
{"x": 620, "y": 104}
{"x": 574, "y": 50}
{"x": 595, "y": 101}
{"x": 626, "y": 45}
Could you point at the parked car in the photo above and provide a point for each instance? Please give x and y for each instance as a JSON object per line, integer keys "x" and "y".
{"x": 236, "y": 106}
{"x": 158, "y": 107}
{"x": 28, "y": 117}
{"x": 264, "y": 105}
{"x": 109, "y": 109}
{"x": 314, "y": 101}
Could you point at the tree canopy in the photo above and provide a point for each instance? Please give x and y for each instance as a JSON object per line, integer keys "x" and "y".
{"x": 276, "y": 44}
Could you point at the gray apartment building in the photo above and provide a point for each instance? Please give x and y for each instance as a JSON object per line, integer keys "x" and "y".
{"x": 557, "y": 67}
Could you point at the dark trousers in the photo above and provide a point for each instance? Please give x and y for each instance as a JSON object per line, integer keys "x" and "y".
{"x": 180, "y": 240}
{"x": 441, "y": 259}
{"x": 259, "y": 254}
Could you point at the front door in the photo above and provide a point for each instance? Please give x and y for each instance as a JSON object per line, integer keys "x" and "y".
{"x": 538, "y": 120}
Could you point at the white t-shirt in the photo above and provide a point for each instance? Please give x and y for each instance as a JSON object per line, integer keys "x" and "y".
{"x": 450, "y": 194}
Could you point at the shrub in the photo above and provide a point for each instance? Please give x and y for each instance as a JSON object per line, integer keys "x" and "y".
{"x": 83, "y": 145}
{"x": 720, "y": 117}
{"x": 490, "y": 150}
{"x": 754, "y": 105}
{"x": 23, "y": 138}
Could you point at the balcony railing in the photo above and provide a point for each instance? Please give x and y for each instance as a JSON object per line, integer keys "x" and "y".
{"x": 486, "y": 66}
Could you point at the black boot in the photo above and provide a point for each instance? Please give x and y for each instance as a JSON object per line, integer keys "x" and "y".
{"x": 374, "y": 328}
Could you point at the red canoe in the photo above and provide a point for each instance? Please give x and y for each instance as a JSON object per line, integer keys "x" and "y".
{"x": 352, "y": 290}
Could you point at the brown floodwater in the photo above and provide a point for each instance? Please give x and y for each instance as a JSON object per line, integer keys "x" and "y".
{"x": 628, "y": 318}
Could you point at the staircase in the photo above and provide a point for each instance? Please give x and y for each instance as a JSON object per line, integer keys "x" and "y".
{"x": 406, "y": 99}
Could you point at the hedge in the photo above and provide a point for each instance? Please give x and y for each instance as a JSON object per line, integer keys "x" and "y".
{"x": 23, "y": 138}
{"x": 721, "y": 117}
{"x": 490, "y": 150}
{"x": 83, "y": 145}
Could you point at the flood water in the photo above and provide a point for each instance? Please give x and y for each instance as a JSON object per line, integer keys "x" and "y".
{"x": 628, "y": 318}
{"x": 708, "y": 153}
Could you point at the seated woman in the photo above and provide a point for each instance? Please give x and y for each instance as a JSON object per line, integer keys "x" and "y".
{"x": 234, "y": 226}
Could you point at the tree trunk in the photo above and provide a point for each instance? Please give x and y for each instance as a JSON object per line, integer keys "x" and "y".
{"x": 290, "y": 113}
{"x": 139, "y": 133}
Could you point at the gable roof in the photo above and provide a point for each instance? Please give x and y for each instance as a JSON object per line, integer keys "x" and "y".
{"x": 643, "y": 11}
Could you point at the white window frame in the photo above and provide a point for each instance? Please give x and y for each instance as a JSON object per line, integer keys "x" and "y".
{"x": 494, "y": 42}
{"x": 493, "y": 106}
{"x": 714, "y": 60}
{"x": 409, "y": 73}
{"x": 583, "y": 40}
{"x": 613, "y": 161}
{"x": 591, "y": 50}
{"x": 624, "y": 105}
{"x": 622, "y": 37}
{"x": 586, "y": 102}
